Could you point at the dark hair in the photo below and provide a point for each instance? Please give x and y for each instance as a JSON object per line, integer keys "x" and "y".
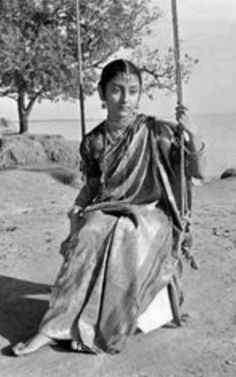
{"x": 112, "y": 69}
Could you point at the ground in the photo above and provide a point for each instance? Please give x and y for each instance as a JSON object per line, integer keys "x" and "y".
{"x": 33, "y": 223}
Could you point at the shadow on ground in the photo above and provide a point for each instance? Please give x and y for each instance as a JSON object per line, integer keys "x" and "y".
{"x": 63, "y": 174}
{"x": 22, "y": 304}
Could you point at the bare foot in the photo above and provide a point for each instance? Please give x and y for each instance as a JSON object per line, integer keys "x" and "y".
{"x": 76, "y": 346}
{"x": 38, "y": 341}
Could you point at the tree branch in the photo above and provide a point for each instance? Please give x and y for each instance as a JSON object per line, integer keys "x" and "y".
{"x": 153, "y": 73}
{"x": 32, "y": 100}
{"x": 8, "y": 93}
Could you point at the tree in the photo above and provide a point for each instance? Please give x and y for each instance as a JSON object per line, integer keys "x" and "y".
{"x": 38, "y": 47}
{"x": 35, "y": 60}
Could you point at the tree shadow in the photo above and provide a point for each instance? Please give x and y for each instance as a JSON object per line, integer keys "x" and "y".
{"x": 20, "y": 311}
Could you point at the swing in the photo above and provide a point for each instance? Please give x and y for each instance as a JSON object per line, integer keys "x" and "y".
{"x": 165, "y": 307}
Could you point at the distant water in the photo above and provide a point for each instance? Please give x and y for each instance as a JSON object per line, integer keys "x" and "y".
{"x": 69, "y": 128}
{"x": 218, "y": 131}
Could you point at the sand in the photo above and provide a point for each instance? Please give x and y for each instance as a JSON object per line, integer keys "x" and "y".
{"x": 33, "y": 223}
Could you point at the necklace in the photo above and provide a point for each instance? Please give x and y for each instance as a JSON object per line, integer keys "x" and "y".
{"x": 114, "y": 132}
{"x": 114, "y": 129}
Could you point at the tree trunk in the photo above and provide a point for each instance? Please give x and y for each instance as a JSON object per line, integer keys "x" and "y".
{"x": 24, "y": 122}
{"x": 23, "y": 114}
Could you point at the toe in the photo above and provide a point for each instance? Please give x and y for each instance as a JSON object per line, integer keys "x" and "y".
{"x": 75, "y": 345}
{"x": 18, "y": 349}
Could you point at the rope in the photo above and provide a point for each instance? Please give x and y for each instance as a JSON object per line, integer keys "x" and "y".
{"x": 80, "y": 83}
{"x": 179, "y": 92}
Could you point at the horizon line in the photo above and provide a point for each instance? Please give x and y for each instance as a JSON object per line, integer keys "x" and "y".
{"x": 233, "y": 112}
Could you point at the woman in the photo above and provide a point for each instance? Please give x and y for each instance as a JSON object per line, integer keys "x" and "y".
{"x": 120, "y": 252}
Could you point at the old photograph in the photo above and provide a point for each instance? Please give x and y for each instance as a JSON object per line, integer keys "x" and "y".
{"x": 117, "y": 188}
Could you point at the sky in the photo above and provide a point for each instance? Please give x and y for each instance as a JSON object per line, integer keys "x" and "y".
{"x": 207, "y": 31}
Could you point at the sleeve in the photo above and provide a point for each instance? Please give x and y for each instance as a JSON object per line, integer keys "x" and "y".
{"x": 90, "y": 175}
{"x": 88, "y": 165}
{"x": 165, "y": 136}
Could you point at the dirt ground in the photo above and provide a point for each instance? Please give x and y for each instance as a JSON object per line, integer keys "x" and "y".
{"x": 33, "y": 223}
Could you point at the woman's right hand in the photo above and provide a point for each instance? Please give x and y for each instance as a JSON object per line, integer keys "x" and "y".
{"x": 74, "y": 214}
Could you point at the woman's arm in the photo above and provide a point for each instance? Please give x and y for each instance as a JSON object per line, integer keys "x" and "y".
{"x": 194, "y": 147}
{"x": 84, "y": 198}
{"x": 88, "y": 192}
{"x": 90, "y": 189}
{"x": 196, "y": 157}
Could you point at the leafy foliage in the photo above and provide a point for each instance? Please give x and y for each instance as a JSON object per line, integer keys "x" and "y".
{"x": 38, "y": 46}
{"x": 159, "y": 71}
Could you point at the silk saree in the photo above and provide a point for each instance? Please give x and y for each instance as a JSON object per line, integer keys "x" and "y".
{"x": 122, "y": 252}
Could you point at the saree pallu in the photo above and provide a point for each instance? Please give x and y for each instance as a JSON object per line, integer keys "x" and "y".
{"x": 121, "y": 254}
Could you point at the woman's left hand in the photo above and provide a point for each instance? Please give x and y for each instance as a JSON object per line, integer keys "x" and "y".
{"x": 184, "y": 120}
{"x": 194, "y": 145}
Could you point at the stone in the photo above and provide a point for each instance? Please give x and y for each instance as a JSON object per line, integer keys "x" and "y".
{"x": 228, "y": 173}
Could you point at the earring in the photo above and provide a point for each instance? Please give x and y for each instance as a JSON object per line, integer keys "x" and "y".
{"x": 104, "y": 105}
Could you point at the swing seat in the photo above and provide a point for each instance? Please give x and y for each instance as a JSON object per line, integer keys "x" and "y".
{"x": 158, "y": 314}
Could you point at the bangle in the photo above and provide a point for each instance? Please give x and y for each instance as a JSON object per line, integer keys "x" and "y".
{"x": 77, "y": 208}
{"x": 74, "y": 210}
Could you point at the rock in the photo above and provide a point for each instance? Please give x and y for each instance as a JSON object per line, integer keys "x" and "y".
{"x": 228, "y": 173}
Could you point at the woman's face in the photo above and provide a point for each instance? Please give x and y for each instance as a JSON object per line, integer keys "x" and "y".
{"x": 122, "y": 96}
